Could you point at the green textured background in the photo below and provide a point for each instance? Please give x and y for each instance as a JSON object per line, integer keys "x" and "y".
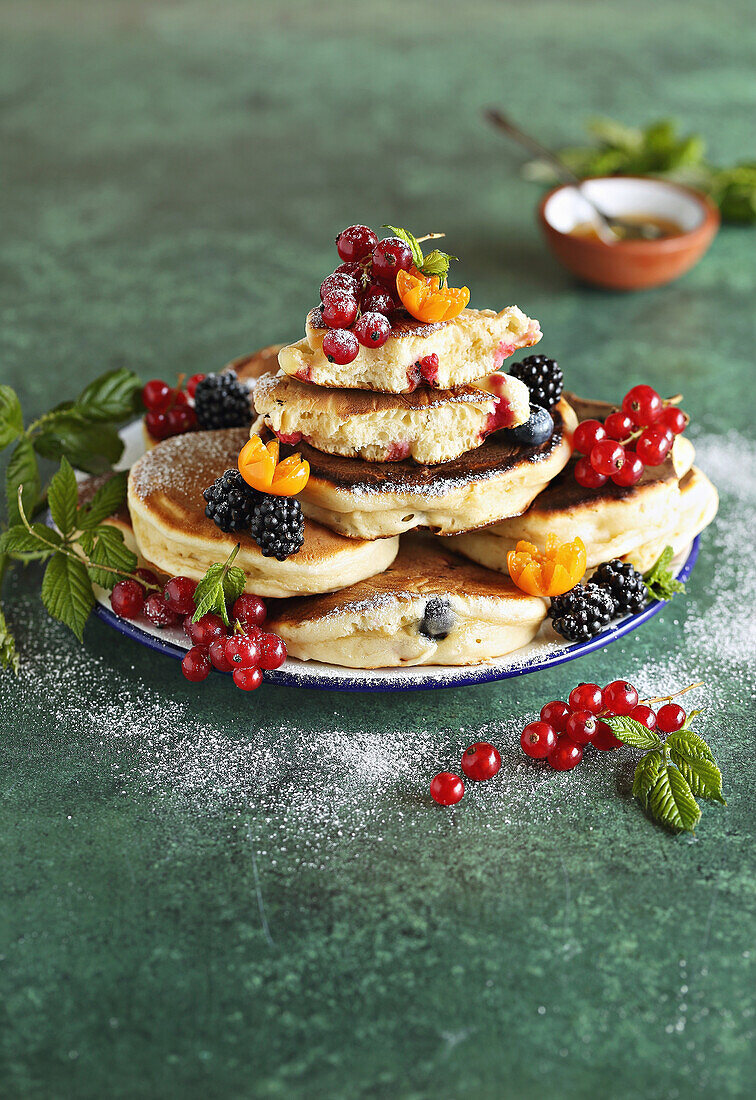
{"x": 211, "y": 895}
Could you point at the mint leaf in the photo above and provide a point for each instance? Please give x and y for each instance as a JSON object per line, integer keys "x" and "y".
{"x": 35, "y": 545}
{"x": 11, "y": 417}
{"x": 63, "y": 497}
{"x": 67, "y": 592}
{"x": 111, "y": 397}
{"x": 8, "y": 654}
{"x": 106, "y": 501}
{"x": 105, "y": 546}
{"x": 221, "y": 583}
{"x": 437, "y": 263}
{"x": 695, "y": 760}
{"x": 22, "y": 470}
{"x": 633, "y": 733}
{"x": 659, "y": 579}
{"x": 670, "y": 801}
{"x": 94, "y": 447}
{"x": 408, "y": 238}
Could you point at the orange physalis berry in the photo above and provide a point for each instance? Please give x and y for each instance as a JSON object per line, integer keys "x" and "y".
{"x": 260, "y": 468}
{"x": 425, "y": 298}
{"x": 551, "y": 573}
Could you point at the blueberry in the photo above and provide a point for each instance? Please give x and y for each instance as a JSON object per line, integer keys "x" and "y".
{"x": 438, "y": 619}
{"x": 536, "y": 430}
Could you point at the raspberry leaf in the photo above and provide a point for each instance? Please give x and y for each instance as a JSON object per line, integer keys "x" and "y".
{"x": 24, "y": 545}
{"x": 111, "y": 397}
{"x": 67, "y": 592}
{"x": 8, "y": 654}
{"x": 11, "y": 417}
{"x": 659, "y": 579}
{"x": 670, "y": 800}
{"x": 695, "y": 760}
{"x": 63, "y": 497}
{"x": 107, "y": 500}
{"x": 22, "y": 470}
{"x": 221, "y": 584}
{"x": 633, "y": 733}
{"x": 91, "y": 446}
{"x": 105, "y": 547}
{"x": 646, "y": 774}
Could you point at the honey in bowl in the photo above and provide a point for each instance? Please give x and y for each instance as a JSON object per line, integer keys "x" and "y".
{"x": 663, "y": 227}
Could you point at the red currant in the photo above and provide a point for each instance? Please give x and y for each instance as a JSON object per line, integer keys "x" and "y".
{"x": 481, "y": 761}
{"x": 218, "y": 654}
{"x": 446, "y": 788}
{"x": 156, "y": 395}
{"x": 372, "y": 330}
{"x": 389, "y": 256}
{"x": 607, "y": 457}
{"x": 248, "y": 679}
{"x": 147, "y": 576}
{"x": 538, "y": 739}
{"x": 196, "y": 665}
{"x": 670, "y": 718}
{"x": 377, "y": 299}
{"x": 581, "y": 726}
{"x": 586, "y": 476}
{"x": 194, "y": 381}
{"x": 654, "y": 445}
{"x": 631, "y": 472}
{"x": 604, "y": 739}
{"x": 587, "y": 434}
{"x": 179, "y": 595}
{"x": 242, "y": 650}
{"x": 565, "y": 755}
{"x": 643, "y": 405}
{"x": 673, "y": 419}
{"x": 272, "y": 651}
{"x": 355, "y": 270}
{"x": 157, "y": 424}
{"x": 158, "y": 611}
{"x": 340, "y": 346}
{"x": 620, "y": 697}
{"x": 205, "y": 630}
{"x": 127, "y": 599}
{"x": 587, "y": 697}
{"x": 355, "y": 242}
{"x": 339, "y": 281}
{"x": 555, "y": 714}
{"x": 180, "y": 419}
{"x": 644, "y": 715}
{"x": 618, "y": 426}
{"x": 339, "y": 309}
{"x": 249, "y": 610}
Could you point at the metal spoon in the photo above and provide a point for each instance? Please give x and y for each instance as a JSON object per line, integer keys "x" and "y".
{"x": 610, "y": 229}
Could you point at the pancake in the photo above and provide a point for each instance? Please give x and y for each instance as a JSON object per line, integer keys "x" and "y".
{"x": 471, "y": 346}
{"x": 612, "y": 521}
{"x": 427, "y": 425}
{"x": 699, "y": 503}
{"x": 375, "y": 500}
{"x": 429, "y": 607}
{"x": 171, "y": 529}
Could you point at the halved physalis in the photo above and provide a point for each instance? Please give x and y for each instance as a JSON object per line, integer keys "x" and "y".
{"x": 260, "y": 468}
{"x": 549, "y": 573}
{"x": 290, "y": 476}
{"x": 425, "y": 298}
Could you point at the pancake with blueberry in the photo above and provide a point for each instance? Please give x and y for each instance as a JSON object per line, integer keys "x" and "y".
{"x": 286, "y": 556}
{"x": 428, "y": 425}
{"x": 376, "y": 500}
{"x": 442, "y": 354}
{"x": 430, "y": 607}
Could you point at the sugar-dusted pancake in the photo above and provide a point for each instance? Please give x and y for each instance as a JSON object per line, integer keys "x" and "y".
{"x": 429, "y": 607}
{"x": 471, "y": 346}
{"x": 699, "y": 502}
{"x": 611, "y": 521}
{"x": 427, "y": 425}
{"x": 171, "y": 529}
{"x": 376, "y": 500}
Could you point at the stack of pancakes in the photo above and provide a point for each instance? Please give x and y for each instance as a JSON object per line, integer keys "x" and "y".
{"x": 417, "y": 491}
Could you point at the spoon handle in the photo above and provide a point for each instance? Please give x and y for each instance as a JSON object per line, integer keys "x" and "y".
{"x": 502, "y": 122}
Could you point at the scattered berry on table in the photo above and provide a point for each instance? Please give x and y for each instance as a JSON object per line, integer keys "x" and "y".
{"x": 538, "y": 739}
{"x": 631, "y": 472}
{"x": 565, "y": 755}
{"x": 230, "y": 502}
{"x": 127, "y": 599}
{"x": 586, "y": 476}
{"x": 222, "y": 401}
{"x": 582, "y": 612}
{"x": 249, "y": 610}
{"x": 542, "y": 376}
{"x": 481, "y": 761}
{"x": 645, "y": 715}
{"x": 205, "y": 630}
{"x": 179, "y": 595}
{"x": 355, "y": 242}
{"x": 581, "y": 726}
{"x": 272, "y": 651}
{"x": 607, "y": 457}
{"x": 389, "y": 256}
{"x": 340, "y": 346}
{"x": 643, "y": 405}
{"x": 587, "y": 434}
{"x": 196, "y": 664}
{"x": 248, "y": 679}
{"x": 277, "y": 525}
{"x": 158, "y": 611}
{"x": 670, "y": 718}
{"x": 446, "y": 788}
{"x": 242, "y": 651}
{"x": 620, "y": 697}
{"x": 587, "y": 697}
{"x": 372, "y": 330}
{"x": 555, "y": 714}
{"x": 625, "y": 584}
{"x": 537, "y": 428}
{"x": 653, "y": 445}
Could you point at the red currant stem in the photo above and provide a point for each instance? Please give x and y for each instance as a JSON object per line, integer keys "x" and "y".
{"x": 429, "y": 237}
{"x": 676, "y": 400}
{"x": 669, "y": 698}
{"x": 175, "y": 392}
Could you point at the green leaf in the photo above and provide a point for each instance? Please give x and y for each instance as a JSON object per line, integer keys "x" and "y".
{"x": 11, "y": 417}
{"x": 220, "y": 584}
{"x": 105, "y": 546}
{"x": 106, "y": 501}
{"x": 22, "y": 470}
{"x": 34, "y": 545}
{"x": 63, "y": 497}
{"x": 408, "y": 238}
{"x": 659, "y": 579}
{"x": 633, "y": 733}
{"x": 111, "y": 397}
{"x": 94, "y": 447}
{"x": 67, "y": 592}
{"x": 8, "y": 654}
{"x": 437, "y": 263}
{"x": 646, "y": 774}
{"x": 670, "y": 801}
{"x": 695, "y": 760}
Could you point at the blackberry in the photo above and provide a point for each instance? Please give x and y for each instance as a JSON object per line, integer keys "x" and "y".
{"x": 230, "y": 502}
{"x": 582, "y": 612}
{"x": 542, "y": 376}
{"x": 222, "y": 401}
{"x": 277, "y": 525}
{"x": 625, "y": 584}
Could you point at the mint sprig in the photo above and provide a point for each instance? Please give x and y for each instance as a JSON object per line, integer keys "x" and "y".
{"x": 660, "y": 580}
{"x": 673, "y": 773}
{"x": 221, "y": 583}
{"x": 435, "y": 263}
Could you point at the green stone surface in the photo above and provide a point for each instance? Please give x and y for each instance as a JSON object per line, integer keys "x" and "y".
{"x": 206, "y": 894}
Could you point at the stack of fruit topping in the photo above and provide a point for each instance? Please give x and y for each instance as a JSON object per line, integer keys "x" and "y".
{"x": 207, "y": 401}
{"x": 640, "y": 434}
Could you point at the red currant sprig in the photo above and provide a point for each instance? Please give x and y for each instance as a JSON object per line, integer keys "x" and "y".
{"x": 168, "y": 409}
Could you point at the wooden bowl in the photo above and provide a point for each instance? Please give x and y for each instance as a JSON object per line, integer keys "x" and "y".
{"x": 628, "y": 265}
